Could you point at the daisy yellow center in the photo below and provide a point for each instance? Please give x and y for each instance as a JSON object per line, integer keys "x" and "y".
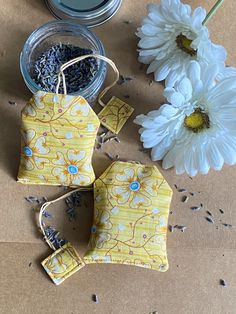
{"x": 197, "y": 121}
{"x": 184, "y": 44}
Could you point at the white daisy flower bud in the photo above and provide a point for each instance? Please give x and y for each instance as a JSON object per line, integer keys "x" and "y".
{"x": 171, "y": 36}
{"x": 197, "y": 130}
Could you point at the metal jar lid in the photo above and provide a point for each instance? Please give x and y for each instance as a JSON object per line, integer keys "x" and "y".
{"x": 90, "y": 12}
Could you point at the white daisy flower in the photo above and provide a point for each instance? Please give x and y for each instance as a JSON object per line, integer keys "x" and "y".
{"x": 197, "y": 130}
{"x": 172, "y": 36}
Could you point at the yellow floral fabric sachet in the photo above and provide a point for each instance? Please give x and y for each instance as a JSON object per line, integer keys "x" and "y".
{"x": 131, "y": 216}
{"x": 58, "y": 136}
{"x": 115, "y": 114}
{"x": 62, "y": 264}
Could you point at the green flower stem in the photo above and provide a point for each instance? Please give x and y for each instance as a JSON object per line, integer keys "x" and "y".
{"x": 213, "y": 11}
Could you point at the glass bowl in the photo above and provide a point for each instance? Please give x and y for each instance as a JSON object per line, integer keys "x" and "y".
{"x": 65, "y": 32}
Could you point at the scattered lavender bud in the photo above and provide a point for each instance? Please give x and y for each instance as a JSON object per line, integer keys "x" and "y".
{"x": 223, "y": 283}
{"x": 109, "y": 156}
{"x": 171, "y": 228}
{"x": 95, "y": 298}
{"x": 221, "y": 211}
{"x": 117, "y": 139}
{"x": 47, "y": 215}
{"x": 209, "y": 213}
{"x": 181, "y": 228}
{"x": 53, "y": 237}
{"x": 151, "y": 82}
{"x": 182, "y": 190}
{"x": 12, "y": 103}
{"x": 185, "y": 199}
{"x": 210, "y": 220}
{"x": 227, "y": 225}
{"x": 195, "y": 208}
{"x": 72, "y": 202}
{"x": 127, "y": 22}
{"x": 144, "y": 150}
{"x": 32, "y": 199}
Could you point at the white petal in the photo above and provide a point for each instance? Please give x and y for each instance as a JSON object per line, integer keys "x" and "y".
{"x": 215, "y": 158}
{"x": 202, "y": 163}
{"x": 172, "y": 77}
{"x": 176, "y": 99}
{"x": 149, "y": 42}
{"x": 185, "y": 88}
{"x": 162, "y": 72}
{"x": 198, "y": 16}
{"x": 194, "y": 72}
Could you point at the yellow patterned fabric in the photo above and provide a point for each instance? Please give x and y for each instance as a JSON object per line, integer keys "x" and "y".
{"x": 62, "y": 264}
{"x": 58, "y": 136}
{"x": 115, "y": 114}
{"x": 131, "y": 215}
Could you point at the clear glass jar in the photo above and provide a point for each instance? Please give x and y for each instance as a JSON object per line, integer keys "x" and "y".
{"x": 67, "y": 32}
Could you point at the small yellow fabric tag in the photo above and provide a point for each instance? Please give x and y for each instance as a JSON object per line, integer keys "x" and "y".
{"x": 115, "y": 114}
{"x": 62, "y": 263}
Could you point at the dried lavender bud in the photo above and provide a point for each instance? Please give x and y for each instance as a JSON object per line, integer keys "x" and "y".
{"x": 107, "y": 141}
{"x": 181, "y": 228}
{"x": 210, "y": 220}
{"x": 195, "y": 208}
{"x": 227, "y": 225}
{"x": 53, "y": 237}
{"x": 151, "y": 82}
{"x": 95, "y": 298}
{"x": 182, "y": 190}
{"x": 223, "y": 283}
{"x": 12, "y": 103}
{"x": 117, "y": 139}
{"x": 185, "y": 199}
{"x": 103, "y": 134}
{"x": 191, "y": 193}
{"x": 209, "y": 213}
{"x": 45, "y": 199}
{"x": 72, "y": 202}
{"x": 221, "y": 211}
{"x": 144, "y": 150}
{"x": 175, "y": 185}
{"x": 32, "y": 199}
{"x": 47, "y": 215}
{"x": 78, "y": 76}
{"x": 110, "y": 156}
{"x": 127, "y": 22}
{"x": 171, "y": 228}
